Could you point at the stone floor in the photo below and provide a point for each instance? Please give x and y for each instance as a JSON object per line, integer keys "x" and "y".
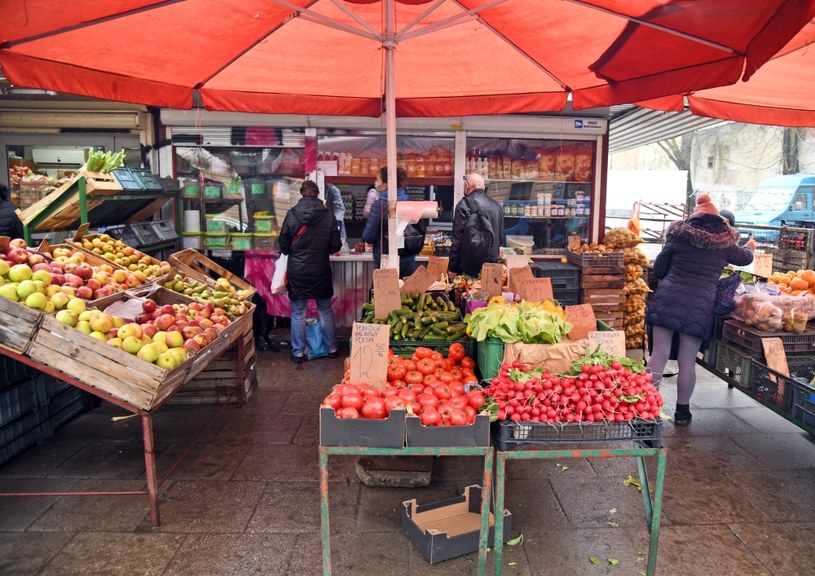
{"x": 739, "y": 496}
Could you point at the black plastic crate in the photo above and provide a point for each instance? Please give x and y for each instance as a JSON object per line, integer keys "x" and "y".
{"x": 567, "y": 297}
{"x": 803, "y": 403}
{"x": 749, "y": 338}
{"x": 734, "y": 362}
{"x": 15, "y": 401}
{"x": 66, "y": 412}
{"x": 13, "y": 372}
{"x": 22, "y": 442}
{"x": 560, "y": 273}
{"x": 69, "y": 396}
{"x": 17, "y": 428}
{"x": 773, "y": 388}
{"x": 510, "y": 436}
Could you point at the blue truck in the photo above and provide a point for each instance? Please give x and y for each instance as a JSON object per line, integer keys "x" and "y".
{"x": 781, "y": 201}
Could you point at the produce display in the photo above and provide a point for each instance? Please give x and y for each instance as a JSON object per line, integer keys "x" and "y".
{"x": 636, "y": 289}
{"x": 99, "y": 161}
{"x": 527, "y": 322}
{"x": 768, "y": 308}
{"x": 221, "y": 294}
{"x": 125, "y": 256}
{"x": 427, "y": 384}
{"x": 422, "y": 317}
{"x": 597, "y": 388}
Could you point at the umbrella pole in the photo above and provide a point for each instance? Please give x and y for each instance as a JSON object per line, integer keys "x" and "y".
{"x": 390, "y": 135}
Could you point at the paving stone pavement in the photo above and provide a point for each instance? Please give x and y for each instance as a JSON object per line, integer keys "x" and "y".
{"x": 739, "y": 496}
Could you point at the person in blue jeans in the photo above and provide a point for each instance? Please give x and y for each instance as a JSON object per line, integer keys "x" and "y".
{"x": 310, "y": 234}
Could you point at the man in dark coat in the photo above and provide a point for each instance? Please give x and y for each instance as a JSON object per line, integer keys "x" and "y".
{"x": 688, "y": 268}
{"x": 308, "y": 236}
{"x": 10, "y": 224}
{"x": 475, "y": 199}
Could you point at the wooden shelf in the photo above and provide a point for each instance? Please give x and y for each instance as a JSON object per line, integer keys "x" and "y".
{"x": 537, "y": 181}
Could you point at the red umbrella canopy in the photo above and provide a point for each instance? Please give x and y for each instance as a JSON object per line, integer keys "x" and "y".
{"x": 451, "y": 57}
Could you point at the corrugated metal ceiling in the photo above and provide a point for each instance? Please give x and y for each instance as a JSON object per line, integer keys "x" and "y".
{"x": 631, "y": 126}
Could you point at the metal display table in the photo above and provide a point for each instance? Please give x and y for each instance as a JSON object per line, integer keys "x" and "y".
{"x": 486, "y": 452}
{"x": 653, "y": 505}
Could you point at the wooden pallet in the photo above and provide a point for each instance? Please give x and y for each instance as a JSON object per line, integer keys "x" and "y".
{"x": 215, "y": 384}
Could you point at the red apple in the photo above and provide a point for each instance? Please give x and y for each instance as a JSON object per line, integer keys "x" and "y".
{"x": 181, "y": 324}
{"x": 165, "y": 322}
{"x": 84, "y": 292}
{"x": 73, "y": 280}
{"x": 168, "y": 309}
{"x": 190, "y": 331}
{"x": 84, "y": 270}
{"x": 195, "y": 306}
{"x": 16, "y": 255}
{"x": 93, "y": 284}
{"x": 35, "y": 259}
{"x": 191, "y": 345}
{"x": 205, "y": 323}
{"x": 40, "y": 266}
{"x": 149, "y": 330}
{"x": 211, "y": 333}
{"x": 17, "y": 243}
{"x": 149, "y": 305}
{"x": 69, "y": 267}
{"x": 202, "y": 340}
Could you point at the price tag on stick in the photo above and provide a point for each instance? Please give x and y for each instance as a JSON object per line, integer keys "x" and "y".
{"x": 437, "y": 266}
{"x": 537, "y": 289}
{"x": 518, "y": 278}
{"x": 369, "y": 354}
{"x": 491, "y": 281}
{"x": 610, "y": 342}
{"x": 581, "y": 317}
{"x": 419, "y": 281}
{"x": 386, "y": 292}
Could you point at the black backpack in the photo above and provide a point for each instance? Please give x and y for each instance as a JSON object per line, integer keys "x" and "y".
{"x": 414, "y": 239}
{"x": 478, "y": 237}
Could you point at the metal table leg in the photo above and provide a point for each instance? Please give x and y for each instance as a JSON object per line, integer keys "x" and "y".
{"x": 150, "y": 466}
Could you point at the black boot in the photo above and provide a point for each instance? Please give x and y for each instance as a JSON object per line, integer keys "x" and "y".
{"x": 682, "y": 415}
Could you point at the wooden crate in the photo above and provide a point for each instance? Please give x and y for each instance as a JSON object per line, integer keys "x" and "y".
{"x": 595, "y": 281}
{"x": 215, "y": 384}
{"x": 90, "y": 258}
{"x": 19, "y": 325}
{"x": 599, "y": 262}
{"x": 77, "y": 244}
{"x": 100, "y": 183}
{"x": 190, "y": 260}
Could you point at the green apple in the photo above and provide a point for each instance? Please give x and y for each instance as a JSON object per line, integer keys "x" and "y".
{"x": 179, "y": 353}
{"x": 25, "y": 288}
{"x": 174, "y": 339}
{"x": 59, "y": 300}
{"x": 115, "y": 342}
{"x": 76, "y": 305}
{"x": 67, "y": 317}
{"x": 98, "y": 335}
{"x": 19, "y": 272}
{"x": 4, "y": 268}
{"x": 166, "y": 360}
{"x": 83, "y": 327}
{"x": 86, "y": 315}
{"x": 161, "y": 347}
{"x": 131, "y": 344}
{"x": 49, "y": 308}
{"x": 101, "y": 322}
{"x": 148, "y": 353}
{"x": 130, "y": 329}
{"x": 43, "y": 276}
{"x": 9, "y": 291}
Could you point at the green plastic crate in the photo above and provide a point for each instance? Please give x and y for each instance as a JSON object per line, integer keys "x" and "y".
{"x": 490, "y": 356}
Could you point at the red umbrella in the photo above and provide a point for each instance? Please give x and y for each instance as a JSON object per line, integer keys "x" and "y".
{"x": 779, "y": 93}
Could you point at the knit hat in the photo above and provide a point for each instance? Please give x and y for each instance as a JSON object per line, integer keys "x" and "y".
{"x": 729, "y": 216}
{"x": 704, "y": 205}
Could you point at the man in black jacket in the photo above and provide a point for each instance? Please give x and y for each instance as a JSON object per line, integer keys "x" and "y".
{"x": 308, "y": 236}
{"x": 475, "y": 199}
{"x": 10, "y": 224}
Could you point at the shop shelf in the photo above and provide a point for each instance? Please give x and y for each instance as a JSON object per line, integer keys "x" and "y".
{"x": 749, "y": 338}
{"x": 508, "y": 436}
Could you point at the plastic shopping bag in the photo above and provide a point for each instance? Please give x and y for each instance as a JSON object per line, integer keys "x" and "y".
{"x": 279, "y": 278}
{"x": 315, "y": 345}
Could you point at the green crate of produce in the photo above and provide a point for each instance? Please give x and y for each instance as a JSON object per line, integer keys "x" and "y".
{"x": 212, "y": 191}
{"x": 215, "y": 240}
{"x": 240, "y": 241}
{"x": 406, "y": 348}
{"x": 263, "y": 223}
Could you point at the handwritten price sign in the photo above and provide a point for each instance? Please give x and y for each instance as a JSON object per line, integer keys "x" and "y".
{"x": 386, "y": 292}
{"x": 491, "y": 278}
{"x": 369, "y": 354}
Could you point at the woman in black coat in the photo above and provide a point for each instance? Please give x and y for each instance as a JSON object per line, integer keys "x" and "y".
{"x": 309, "y": 235}
{"x": 688, "y": 268}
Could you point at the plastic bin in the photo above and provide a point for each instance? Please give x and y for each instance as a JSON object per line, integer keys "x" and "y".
{"x": 232, "y": 191}
{"x": 240, "y": 241}
{"x": 255, "y": 187}
{"x": 508, "y": 435}
{"x": 215, "y": 240}
{"x": 803, "y": 403}
{"x": 490, "y": 356}
{"x": 749, "y": 338}
{"x": 263, "y": 223}
{"x": 214, "y": 225}
{"x": 212, "y": 190}
{"x": 191, "y": 240}
{"x": 265, "y": 241}
{"x": 524, "y": 243}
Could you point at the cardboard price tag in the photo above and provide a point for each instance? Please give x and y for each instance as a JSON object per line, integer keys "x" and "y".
{"x": 581, "y": 317}
{"x": 518, "y": 278}
{"x": 437, "y": 266}
{"x": 763, "y": 265}
{"x": 81, "y": 231}
{"x": 516, "y": 261}
{"x": 43, "y": 247}
{"x": 491, "y": 278}
{"x": 419, "y": 281}
{"x": 537, "y": 289}
{"x": 369, "y": 353}
{"x": 610, "y": 342}
{"x": 574, "y": 243}
{"x": 386, "y": 292}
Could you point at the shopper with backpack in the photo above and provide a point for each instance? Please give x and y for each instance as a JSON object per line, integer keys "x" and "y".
{"x": 478, "y": 229}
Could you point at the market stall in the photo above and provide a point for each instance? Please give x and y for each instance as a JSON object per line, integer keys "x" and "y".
{"x": 121, "y": 326}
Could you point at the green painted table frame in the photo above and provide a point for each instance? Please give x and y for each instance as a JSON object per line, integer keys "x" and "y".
{"x": 653, "y": 507}
{"x": 486, "y": 492}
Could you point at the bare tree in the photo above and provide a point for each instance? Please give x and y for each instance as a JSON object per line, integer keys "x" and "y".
{"x": 789, "y": 151}
{"x": 679, "y": 151}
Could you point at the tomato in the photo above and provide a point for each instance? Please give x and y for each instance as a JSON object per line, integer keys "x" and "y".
{"x": 374, "y": 407}
{"x": 436, "y": 355}
{"x": 476, "y": 399}
{"x": 467, "y": 363}
{"x": 352, "y": 400}
{"x": 444, "y": 376}
{"x": 471, "y": 413}
{"x": 407, "y": 394}
{"x": 444, "y": 411}
{"x": 348, "y": 412}
{"x": 397, "y": 384}
{"x": 417, "y": 388}
{"x": 367, "y": 390}
{"x": 396, "y": 370}
{"x": 458, "y": 417}
{"x": 425, "y": 400}
{"x": 392, "y": 402}
{"x": 456, "y": 352}
{"x": 390, "y": 391}
{"x": 443, "y": 392}
{"x": 333, "y": 400}
{"x": 430, "y": 416}
{"x": 414, "y": 377}
{"x": 422, "y": 352}
{"x": 431, "y": 380}
{"x": 409, "y": 364}
{"x": 456, "y": 372}
{"x": 425, "y": 366}
{"x": 457, "y": 388}
{"x": 457, "y": 402}
{"x": 348, "y": 388}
